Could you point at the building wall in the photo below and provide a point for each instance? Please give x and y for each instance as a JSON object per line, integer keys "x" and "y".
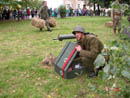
{"x": 74, "y": 3}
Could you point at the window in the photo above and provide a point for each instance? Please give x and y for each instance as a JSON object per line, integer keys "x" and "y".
{"x": 78, "y": 5}
{"x": 68, "y": 5}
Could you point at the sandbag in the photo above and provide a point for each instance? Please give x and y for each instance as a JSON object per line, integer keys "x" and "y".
{"x": 37, "y": 22}
{"x": 109, "y": 24}
{"x": 52, "y": 22}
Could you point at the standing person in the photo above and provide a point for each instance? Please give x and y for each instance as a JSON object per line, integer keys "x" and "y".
{"x": 56, "y": 14}
{"x": 71, "y": 11}
{"x": 28, "y": 13}
{"x": 116, "y": 17}
{"x": 32, "y": 12}
{"x": 0, "y": 14}
{"x": 43, "y": 13}
{"x": 84, "y": 10}
{"x": 91, "y": 12}
{"x": 88, "y": 46}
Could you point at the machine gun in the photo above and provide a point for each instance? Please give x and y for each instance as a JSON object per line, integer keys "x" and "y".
{"x": 69, "y": 36}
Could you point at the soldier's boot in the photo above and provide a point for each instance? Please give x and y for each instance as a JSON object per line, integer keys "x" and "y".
{"x": 48, "y": 26}
{"x": 114, "y": 31}
{"x": 119, "y": 31}
{"x": 40, "y": 29}
{"x": 49, "y": 30}
{"x": 92, "y": 74}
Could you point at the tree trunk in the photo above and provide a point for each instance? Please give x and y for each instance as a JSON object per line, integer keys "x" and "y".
{"x": 98, "y": 10}
{"x": 94, "y": 6}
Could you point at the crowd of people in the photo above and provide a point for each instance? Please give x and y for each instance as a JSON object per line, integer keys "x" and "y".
{"x": 17, "y": 14}
{"x": 85, "y": 12}
{"x": 22, "y": 14}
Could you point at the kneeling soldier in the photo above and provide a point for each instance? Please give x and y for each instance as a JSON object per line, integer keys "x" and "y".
{"x": 89, "y": 46}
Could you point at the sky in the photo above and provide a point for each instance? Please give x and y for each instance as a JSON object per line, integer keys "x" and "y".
{"x": 54, "y": 3}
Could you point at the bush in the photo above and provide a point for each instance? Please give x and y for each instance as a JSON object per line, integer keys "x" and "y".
{"x": 62, "y": 11}
{"x": 119, "y": 64}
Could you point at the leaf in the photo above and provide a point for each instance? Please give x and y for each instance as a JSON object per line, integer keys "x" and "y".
{"x": 113, "y": 86}
{"x": 113, "y": 70}
{"x": 113, "y": 41}
{"x": 105, "y": 46}
{"x": 100, "y": 61}
{"x": 105, "y": 76}
{"x": 110, "y": 77}
{"x": 107, "y": 68}
{"x": 114, "y": 48}
{"x": 126, "y": 74}
{"x": 92, "y": 87}
{"x": 128, "y": 61}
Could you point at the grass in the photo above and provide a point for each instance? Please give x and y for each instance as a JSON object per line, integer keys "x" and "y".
{"x": 22, "y": 49}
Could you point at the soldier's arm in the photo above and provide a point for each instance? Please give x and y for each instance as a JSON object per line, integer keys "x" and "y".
{"x": 94, "y": 50}
{"x": 40, "y": 10}
{"x": 113, "y": 12}
{"x": 121, "y": 14}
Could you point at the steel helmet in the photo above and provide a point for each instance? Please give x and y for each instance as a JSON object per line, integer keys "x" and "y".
{"x": 78, "y": 29}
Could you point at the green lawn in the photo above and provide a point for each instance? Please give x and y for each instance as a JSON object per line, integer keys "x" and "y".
{"x": 22, "y": 49}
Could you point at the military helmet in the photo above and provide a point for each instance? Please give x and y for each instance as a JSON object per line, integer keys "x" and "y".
{"x": 78, "y": 29}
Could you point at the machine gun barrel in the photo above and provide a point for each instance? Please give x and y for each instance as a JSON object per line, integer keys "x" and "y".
{"x": 67, "y": 36}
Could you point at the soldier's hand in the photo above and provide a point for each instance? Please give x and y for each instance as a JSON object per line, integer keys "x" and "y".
{"x": 78, "y": 48}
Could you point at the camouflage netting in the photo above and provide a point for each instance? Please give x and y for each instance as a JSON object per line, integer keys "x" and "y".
{"x": 39, "y": 23}
{"x": 52, "y": 22}
{"x": 109, "y": 24}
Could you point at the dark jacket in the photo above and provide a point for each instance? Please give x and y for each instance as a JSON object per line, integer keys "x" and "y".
{"x": 91, "y": 47}
{"x": 43, "y": 12}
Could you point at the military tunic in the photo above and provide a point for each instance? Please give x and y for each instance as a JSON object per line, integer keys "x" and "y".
{"x": 43, "y": 12}
{"x": 91, "y": 47}
{"x": 117, "y": 19}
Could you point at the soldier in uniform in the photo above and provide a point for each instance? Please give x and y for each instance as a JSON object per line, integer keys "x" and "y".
{"x": 43, "y": 13}
{"x": 89, "y": 46}
{"x": 116, "y": 17}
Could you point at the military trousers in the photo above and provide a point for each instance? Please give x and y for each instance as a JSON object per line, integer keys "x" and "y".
{"x": 83, "y": 61}
{"x": 117, "y": 24}
{"x": 47, "y": 24}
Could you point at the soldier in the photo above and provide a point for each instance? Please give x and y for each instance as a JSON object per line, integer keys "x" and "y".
{"x": 89, "y": 46}
{"x": 43, "y": 12}
{"x": 116, "y": 17}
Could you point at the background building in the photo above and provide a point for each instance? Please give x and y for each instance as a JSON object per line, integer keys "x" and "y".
{"x": 54, "y": 3}
{"x": 74, "y": 3}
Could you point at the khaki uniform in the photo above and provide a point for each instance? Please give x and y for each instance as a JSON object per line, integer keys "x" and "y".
{"x": 43, "y": 12}
{"x": 117, "y": 19}
{"x": 91, "y": 47}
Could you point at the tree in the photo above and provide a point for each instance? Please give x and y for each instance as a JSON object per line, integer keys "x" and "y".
{"x": 23, "y": 3}
{"x": 98, "y": 2}
{"x": 31, "y": 3}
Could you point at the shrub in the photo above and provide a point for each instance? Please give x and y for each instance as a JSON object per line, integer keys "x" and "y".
{"x": 62, "y": 11}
